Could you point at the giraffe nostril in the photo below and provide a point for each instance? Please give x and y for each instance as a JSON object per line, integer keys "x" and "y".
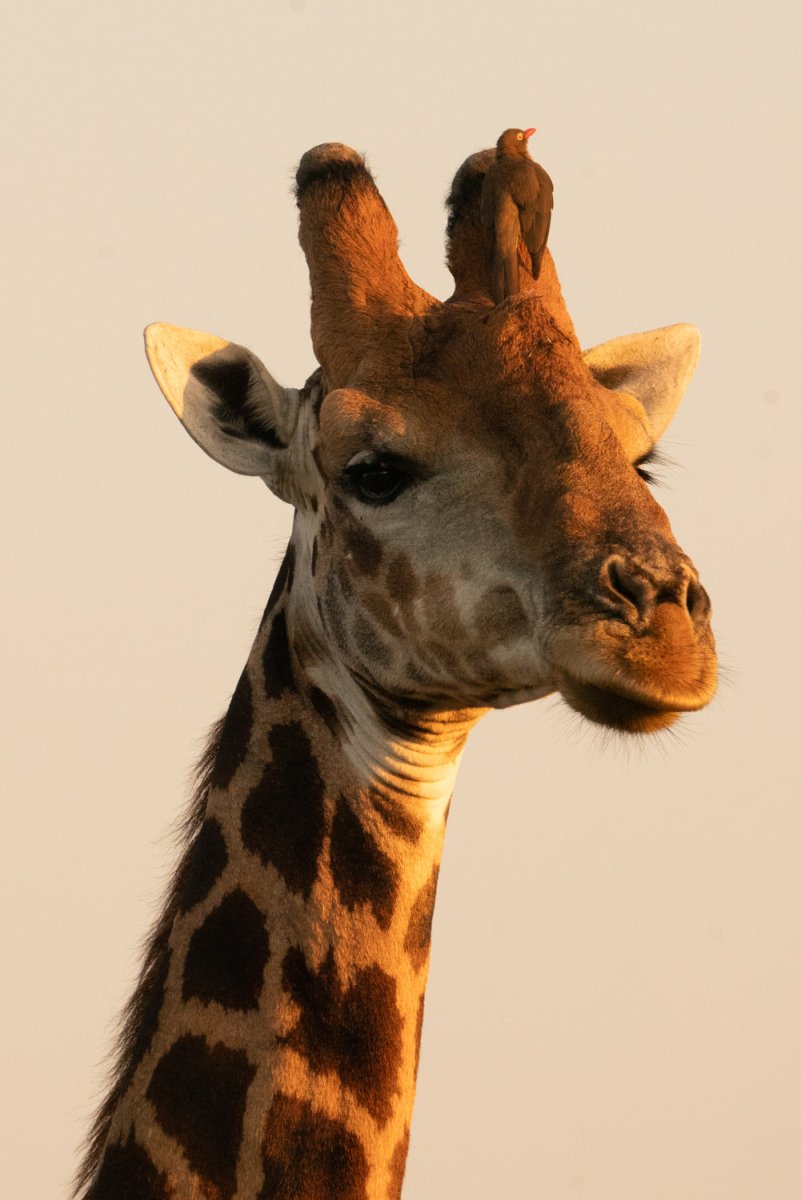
{"x": 695, "y": 600}
{"x": 626, "y": 583}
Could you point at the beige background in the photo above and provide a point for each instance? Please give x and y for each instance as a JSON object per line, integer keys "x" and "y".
{"x": 615, "y": 1001}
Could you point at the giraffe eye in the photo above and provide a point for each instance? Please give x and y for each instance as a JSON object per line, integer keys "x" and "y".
{"x": 378, "y": 480}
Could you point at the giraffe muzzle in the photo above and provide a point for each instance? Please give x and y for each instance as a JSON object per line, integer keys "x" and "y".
{"x": 644, "y": 653}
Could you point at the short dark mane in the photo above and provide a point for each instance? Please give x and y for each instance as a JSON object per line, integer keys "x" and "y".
{"x": 139, "y": 1018}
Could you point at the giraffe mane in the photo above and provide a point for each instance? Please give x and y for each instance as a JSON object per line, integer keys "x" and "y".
{"x": 135, "y": 1024}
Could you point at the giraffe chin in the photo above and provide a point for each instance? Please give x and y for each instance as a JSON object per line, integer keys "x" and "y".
{"x": 614, "y": 710}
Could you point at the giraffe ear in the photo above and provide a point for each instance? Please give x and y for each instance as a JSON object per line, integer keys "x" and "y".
{"x": 224, "y": 397}
{"x": 654, "y": 368}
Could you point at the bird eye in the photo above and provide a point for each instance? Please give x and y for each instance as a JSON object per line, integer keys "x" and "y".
{"x": 377, "y": 481}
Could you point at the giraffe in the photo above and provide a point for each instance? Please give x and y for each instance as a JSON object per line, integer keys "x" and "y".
{"x": 472, "y": 530}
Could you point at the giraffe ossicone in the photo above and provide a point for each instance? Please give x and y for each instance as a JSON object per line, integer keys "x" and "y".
{"x": 471, "y": 531}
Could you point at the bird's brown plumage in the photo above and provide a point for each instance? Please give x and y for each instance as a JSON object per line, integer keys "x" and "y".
{"x": 516, "y": 201}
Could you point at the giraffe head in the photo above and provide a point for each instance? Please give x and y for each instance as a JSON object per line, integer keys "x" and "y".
{"x": 471, "y": 528}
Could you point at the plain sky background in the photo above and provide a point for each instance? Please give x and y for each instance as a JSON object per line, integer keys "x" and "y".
{"x": 614, "y": 1009}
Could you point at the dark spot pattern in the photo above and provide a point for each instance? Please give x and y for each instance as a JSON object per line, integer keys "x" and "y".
{"x": 307, "y": 1156}
{"x": 278, "y": 677}
{"x": 369, "y": 642}
{"x": 395, "y": 817}
{"x": 205, "y": 864}
{"x": 362, "y": 874}
{"x": 380, "y": 608}
{"x": 443, "y": 653}
{"x": 314, "y": 557}
{"x": 353, "y": 1033}
{"x": 325, "y": 707}
{"x": 499, "y": 615}
{"x": 439, "y": 597}
{"x": 199, "y": 1094}
{"x": 397, "y": 1167}
{"x": 127, "y": 1173}
{"x": 402, "y": 583}
{"x": 418, "y": 935}
{"x": 283, "y": 816}
{"x": 235, "y": 736}
{"x": 227, "y": 955}
{"x": 364, "y": 548}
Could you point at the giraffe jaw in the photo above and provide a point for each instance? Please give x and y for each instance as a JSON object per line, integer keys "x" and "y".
{"x": 511, "y": 696}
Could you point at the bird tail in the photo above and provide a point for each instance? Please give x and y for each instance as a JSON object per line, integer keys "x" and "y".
{"x": 511, "y": 269}
{"x": 505, "y": 276}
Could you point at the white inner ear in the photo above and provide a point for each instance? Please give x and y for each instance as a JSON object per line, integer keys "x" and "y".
{"x": 244, "y": 429}
{"x": 654, "y": 367}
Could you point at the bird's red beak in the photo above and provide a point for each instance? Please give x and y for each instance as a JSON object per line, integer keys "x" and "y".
{"x": 528, "y": 132}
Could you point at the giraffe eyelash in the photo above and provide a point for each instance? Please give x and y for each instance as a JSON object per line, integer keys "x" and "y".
{"x": 653, "y": 458}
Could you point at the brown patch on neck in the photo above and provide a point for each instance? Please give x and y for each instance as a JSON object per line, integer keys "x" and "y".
{"x": 199, "y": 1094}
{"x": 418, "y": 935}
{"x": 283, "y": 817}
{"x": 395, "y": 816}
{"x": 309, "y": 1156}
{"x": 397, "y": 1168}
{"x": 127, "y": 1170}
{"x": 361, "y": 872}
{"x": 352, "y": 1032}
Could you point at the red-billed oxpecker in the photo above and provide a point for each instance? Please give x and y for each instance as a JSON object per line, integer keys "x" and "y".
{"x": 516, "y": 201}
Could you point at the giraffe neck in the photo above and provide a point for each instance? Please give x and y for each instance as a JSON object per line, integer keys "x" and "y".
{"x": 284, "y": 1016}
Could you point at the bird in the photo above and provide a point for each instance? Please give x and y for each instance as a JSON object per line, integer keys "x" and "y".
{"x": 516, "y": 201}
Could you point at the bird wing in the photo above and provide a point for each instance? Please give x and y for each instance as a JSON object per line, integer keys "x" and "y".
{"x": 546, "y": 186}
{"x": 542, "y": 220}
{"x": 506, "y": 220}
{"x": 538, "y": 221}
{"x": 523, "y": 186}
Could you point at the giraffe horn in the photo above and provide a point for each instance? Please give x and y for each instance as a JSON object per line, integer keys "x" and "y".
{"x": 467, "y": 256}
{"x": 360, "y": 288}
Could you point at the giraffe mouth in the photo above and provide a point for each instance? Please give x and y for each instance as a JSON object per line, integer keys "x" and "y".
{"x": 636, "y": 683}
